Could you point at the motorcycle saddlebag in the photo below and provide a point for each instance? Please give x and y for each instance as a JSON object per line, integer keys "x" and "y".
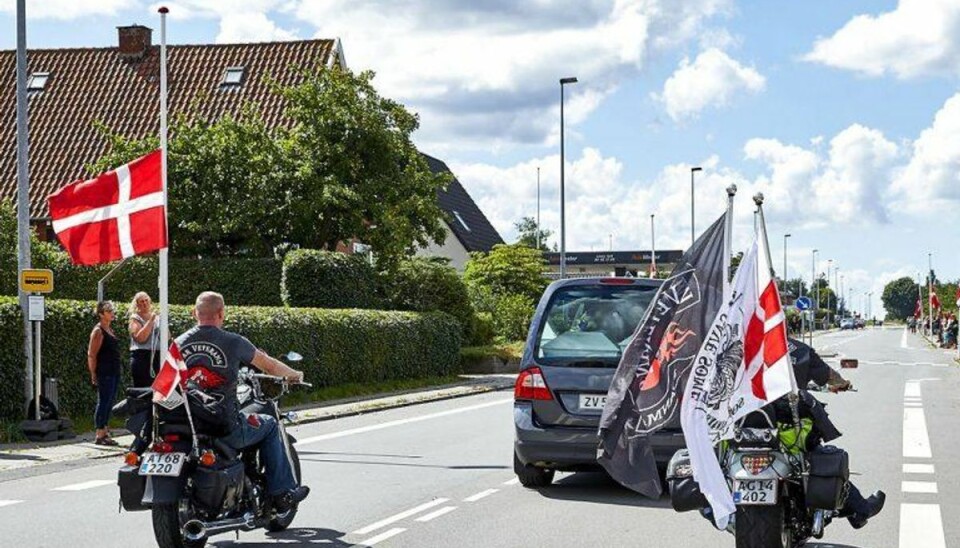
{"x": 685, "y": 493}
{"x": 132, "y": 486}
{"x": 828, "y": 474}
{"x": 219, "y": 486}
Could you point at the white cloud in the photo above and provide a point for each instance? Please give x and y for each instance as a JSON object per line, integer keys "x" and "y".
{"x": 931, "y": 180}
{"x": 240, "y": 20}
{"x": 66, "y": 10}
{"x": 713, "y": 79}
{"x": 250, "y": 27}
{"x": 918, "y": 37}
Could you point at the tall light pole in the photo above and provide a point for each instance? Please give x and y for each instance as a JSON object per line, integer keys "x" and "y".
{"x": 814, "y": 290}
{"x": 693, "y": 233}
{"x": 843, "y": 297}
{"x": 653, "y": 250}
{"x": 563, "y": 226}
{"x": 23, "y": 191}
{"x": 829, "y": 266}
{"x": 538, "y": 208}
{"x": 785, "y": 236}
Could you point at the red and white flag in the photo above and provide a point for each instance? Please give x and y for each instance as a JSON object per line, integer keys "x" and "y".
{"x": 114, "y": 216}
{"x": 743, "y": 364}
{"x": 169, "y": 378}
{"x": 934, "y": 300}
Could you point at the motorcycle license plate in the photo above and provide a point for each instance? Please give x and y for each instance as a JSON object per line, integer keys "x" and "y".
{"x": 162, "y": 464}
{"x": 755, "y": 492}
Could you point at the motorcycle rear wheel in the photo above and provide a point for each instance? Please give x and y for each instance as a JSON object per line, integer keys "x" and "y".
{"x": 283, "y": 521}
{"x": 166, "y": 528}
{"x": 761, "y": 527}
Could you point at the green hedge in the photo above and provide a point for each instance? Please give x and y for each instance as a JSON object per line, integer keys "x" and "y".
{"x": 339, "y": 346}
{"x": 428, "y": 284}
{"x": 327, "y": 279}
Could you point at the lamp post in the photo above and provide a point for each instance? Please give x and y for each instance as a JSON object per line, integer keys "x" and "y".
{"x": 843, "y": 299}
{"x": 829, "y": 265}
{"x": 538, "y": 208}
{"x": 693, "y": 234}
{"x": 785, "y": 236}
{"x": 653, "y": 250}
{"x": 814, "y": 290}
{"x": 563, "y": 227}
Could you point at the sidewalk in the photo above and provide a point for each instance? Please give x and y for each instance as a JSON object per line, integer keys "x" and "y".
{"x": 25, "y": 457}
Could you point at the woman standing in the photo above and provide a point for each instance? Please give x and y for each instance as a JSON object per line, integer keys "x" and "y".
{"x": 144, "y": 340}
{"x": 103, "y": 361}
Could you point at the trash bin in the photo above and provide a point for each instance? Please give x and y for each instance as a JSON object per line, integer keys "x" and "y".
{"x": 50, "y": 391}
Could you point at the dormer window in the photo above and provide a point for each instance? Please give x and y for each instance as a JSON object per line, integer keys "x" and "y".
{"x": 232, "y": 77}
{"x": 462, "y": 222}
{"x": 37, "y": 81}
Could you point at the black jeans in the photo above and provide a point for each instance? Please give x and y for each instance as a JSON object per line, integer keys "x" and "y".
{"x": 140, "y": 365}
{"x": 106, "y": 394}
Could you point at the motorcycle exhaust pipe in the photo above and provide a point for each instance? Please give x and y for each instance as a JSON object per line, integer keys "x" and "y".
{"x": 196, "y": 530}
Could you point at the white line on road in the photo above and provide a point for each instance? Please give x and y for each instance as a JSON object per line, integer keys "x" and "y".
{"x": 9, "y": 502}
{"x": 918, "y": 469}
{"x": 399, "y": 422}
{"x": 480, "y": 495}
{"x": 397, "y": 517}
{"x": 916, "y": 443}
{"x": 913, "y": 405}
{"x": 85, "y": 485}
{"x": 918, "y": 486}
{"x": 513, "y": 481}
{"x": 911, "y": 389}
{"x": 437, "y": 514}
{"x": 921, "y": 526}
{"x": 382, "y": 536}
{"x": 903, "y": 339}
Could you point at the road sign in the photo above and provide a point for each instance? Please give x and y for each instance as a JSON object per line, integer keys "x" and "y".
{"x": 38, "y": 280}
{"x": 803, "y": 303}
{"x": 36, "y": 308}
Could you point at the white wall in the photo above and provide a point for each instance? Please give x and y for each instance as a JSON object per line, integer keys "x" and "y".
{"x": 451, "y": 249}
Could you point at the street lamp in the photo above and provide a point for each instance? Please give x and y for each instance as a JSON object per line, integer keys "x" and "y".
{"x": 563, "y": 227}
{"x": 785, "y": 236}
{"x": 815, "y": 291}
{"x": 692, "y": 228}
{"x": 538, "y": 208}
{"x": 829, "y": 266}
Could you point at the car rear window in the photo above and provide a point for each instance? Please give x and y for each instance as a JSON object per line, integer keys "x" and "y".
{"x": 590, "y": 325}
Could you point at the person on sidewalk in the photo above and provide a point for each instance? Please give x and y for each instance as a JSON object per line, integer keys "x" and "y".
{"x": 103, "y": 361}
{"x": 213, "y": 357}
{"x": 144, "y": 340}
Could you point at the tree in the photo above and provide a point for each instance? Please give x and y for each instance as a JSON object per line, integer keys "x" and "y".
{"x": 342, "y": 166}
{"x": 900, "y": 297}
{"x": 528, "y": 231}
{"x": 794, "y": 283}
{"x": 505, "y": 270}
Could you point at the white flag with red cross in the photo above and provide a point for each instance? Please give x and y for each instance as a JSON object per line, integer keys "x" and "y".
{"x": 169, "y": 378}
{"x": 116, "y": 215}
{"x": 743, "y": 364}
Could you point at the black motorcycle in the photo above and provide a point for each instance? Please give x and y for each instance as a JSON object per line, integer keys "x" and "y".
{"x": 195, "y": 485}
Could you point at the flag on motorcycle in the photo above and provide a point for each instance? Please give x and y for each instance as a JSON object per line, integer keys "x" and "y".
{"x": 742, "y": 365}
{"x": 169, "y": 378}
{"x": 644, "y": 395}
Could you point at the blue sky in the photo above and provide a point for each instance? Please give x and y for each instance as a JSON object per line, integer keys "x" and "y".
{"x": 840, "y": 112}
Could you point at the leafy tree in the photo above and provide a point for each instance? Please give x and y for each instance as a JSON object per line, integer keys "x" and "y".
{"x": 528, "y": 231}
{"x": 900, "y": 297}
{"x": 505, "y": 270}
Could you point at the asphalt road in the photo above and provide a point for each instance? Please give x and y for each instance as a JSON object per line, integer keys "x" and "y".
{"x": 440, "y": 474}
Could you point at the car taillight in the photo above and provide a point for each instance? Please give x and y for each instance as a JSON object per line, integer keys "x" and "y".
{"x": 162, "y": 447}
{"x": 531, "y": 386}
{"x": 756, "y": 462}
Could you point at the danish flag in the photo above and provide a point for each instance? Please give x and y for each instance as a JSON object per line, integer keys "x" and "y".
{"x": 117, "y": 215}
{"x": 169, "y": 378}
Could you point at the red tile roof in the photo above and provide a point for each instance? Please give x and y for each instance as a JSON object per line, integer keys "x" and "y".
{"x": 97, "y": 84}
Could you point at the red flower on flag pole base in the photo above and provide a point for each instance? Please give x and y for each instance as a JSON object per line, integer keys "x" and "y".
{"x": 116, "y": 215}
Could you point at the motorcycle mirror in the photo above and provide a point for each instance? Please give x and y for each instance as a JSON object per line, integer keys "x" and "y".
{"x": 293, "y": 357}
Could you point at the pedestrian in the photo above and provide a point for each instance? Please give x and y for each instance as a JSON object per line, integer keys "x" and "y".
{"x": 103, "y": 361}
{"x": 144, "y": 340}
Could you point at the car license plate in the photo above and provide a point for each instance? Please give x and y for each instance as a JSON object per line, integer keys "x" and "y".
{"x": 753, "y": 492}
{"x": 162, "y": 464}
{"x": 593, "y": 401}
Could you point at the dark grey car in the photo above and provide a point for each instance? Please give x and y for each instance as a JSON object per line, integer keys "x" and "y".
{"x": 576, "y": 337}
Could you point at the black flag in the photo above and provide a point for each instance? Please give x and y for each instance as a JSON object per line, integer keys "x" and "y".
{"x": 648, "y": 385}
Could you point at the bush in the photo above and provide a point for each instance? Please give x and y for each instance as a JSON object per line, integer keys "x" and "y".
{"x": 339, "y": 346}
{"x": 507, "y": 270}
{"x": 482, "y": 330}
{"x": 327, "y": 279}
{"x": 511, "y": 321}
{"x": 424, "y": 285}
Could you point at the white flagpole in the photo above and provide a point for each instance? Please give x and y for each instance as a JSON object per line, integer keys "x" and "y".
{"x": 164, "y": 277}
{"x": 728, "y": 244}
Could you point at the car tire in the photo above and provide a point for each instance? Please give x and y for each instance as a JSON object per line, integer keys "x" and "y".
{"x": 531, "y": 476}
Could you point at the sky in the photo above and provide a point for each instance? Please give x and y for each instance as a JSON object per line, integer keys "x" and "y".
{"x": 845, "y": 115}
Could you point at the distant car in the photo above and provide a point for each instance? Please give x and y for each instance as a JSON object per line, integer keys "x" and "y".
{"x": 580, "y": 329}
{"x": 859, "y": 323}
{"x": 847, "y": 323}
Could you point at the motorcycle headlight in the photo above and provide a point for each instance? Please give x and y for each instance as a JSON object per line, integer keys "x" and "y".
{"x": 756, "y": 462}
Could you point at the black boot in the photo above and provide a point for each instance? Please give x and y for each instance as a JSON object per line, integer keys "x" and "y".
{"x": 871, "y": 506}
{"x": 291, "y": 498}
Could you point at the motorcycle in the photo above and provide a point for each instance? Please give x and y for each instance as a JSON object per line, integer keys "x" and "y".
{"x": 193, "y": 483}
{"x": 784, "y": 494}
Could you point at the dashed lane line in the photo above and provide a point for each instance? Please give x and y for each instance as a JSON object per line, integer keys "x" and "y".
{"x": 480, "y": 495}
{"x": 909, "y": 468}
{"x": 434, "y": 515}
{"x": 382, "y": 536}
{"x": 397, "y": 517}
{"x": 9, "y": 502}
{"x": 916, "y": 443}
{"x": 85, "y": 485}
{"x": 921, "y": 526}
{"x": 513, "y": 481}
{"x": 918, "y": 487}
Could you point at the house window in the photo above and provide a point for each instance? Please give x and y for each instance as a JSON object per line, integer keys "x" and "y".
{"x": 232, "y": 77}
{"x": 37, "y": 81}
{"x": 462, "y": 222}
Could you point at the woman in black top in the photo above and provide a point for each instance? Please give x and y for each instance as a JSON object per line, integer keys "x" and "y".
{"x": 103, "y": 361}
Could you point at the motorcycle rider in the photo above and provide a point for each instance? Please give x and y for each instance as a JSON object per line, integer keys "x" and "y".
{"x": 213, "y": 357}
{"x": 809, "y": 367}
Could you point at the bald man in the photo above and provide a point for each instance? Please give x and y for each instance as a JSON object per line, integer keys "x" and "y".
{"x": 213, "y": 357}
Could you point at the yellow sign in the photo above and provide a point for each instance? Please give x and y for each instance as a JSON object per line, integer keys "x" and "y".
{"x": 36, "y": 281}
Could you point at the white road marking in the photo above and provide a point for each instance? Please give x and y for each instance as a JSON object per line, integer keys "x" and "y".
{"x": 480, "y": 495}
{"x": 399, "y": 422}
{"x": 918, "y": 486}
{"x": 9, "y": 502}
{"x": 911, "y": 389}
{"x": 85, "y": 485}
{"x": 513, "y": 481}
{"x": 916, "y": 443}
{"x": 921, "y": 526}
{"x": 437, "y": 514}
{"x": 382, "y": 536}
{"x": 918, "y": 468}
{"x": 903, "y": 339}
{"x": 397, "y": 517}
